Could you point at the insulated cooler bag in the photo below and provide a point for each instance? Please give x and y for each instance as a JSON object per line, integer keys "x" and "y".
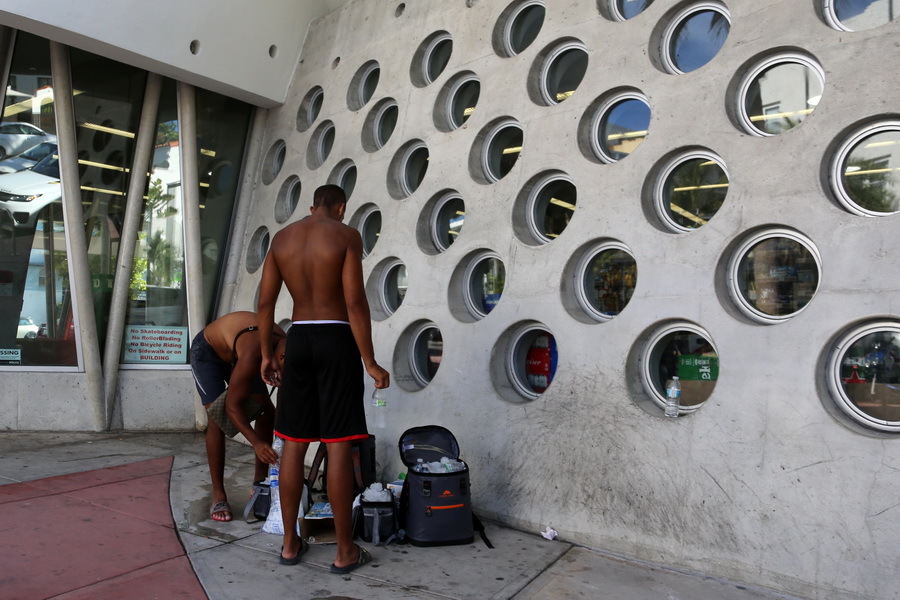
{"x": 435, "y": 508}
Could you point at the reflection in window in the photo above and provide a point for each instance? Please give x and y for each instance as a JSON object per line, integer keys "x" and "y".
{"x": 779, "y": 94}
{"x": 535, "y": 360}
{"x": 695, "y": 36}
{"x": 620, "y": 126}
{"x": 628, "y": 9}
{"x": 447, "y": 221}
{"x": 394, "y": 287}
{"x": 775, "y": 275}
{"x": 684, "y": 350}
{"x": 865, "y": 375}
{"x": 867, "y": 177}
{"x": 519, "y": 26}
{"x": 858, "y": 15}
{"x": 607, "y": 279}
{"x": 427, "y": 350}
{"x": 563, "y": 71}
{"x": 485, "y": 280}
{"x": 550, "y": 206}
{"x": 693, "y": 188}
{"x": 503, "y": 144}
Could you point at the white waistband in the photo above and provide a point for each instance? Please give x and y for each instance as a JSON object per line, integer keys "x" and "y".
{"x": 322, "y": 322}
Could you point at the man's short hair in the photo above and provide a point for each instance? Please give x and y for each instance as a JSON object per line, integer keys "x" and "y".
{"x": 329, "y": 196}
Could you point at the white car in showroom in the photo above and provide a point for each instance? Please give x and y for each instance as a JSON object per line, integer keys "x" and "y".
{"x": 24, "y": 194}
{"x": 27, "y": 159}
{"x": 18, "y": 137}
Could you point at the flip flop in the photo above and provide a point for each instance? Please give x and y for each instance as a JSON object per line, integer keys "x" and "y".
{"x": 364, "y": 559}
{"x": 220, "y": 507}
{"x": 296, "y": 560}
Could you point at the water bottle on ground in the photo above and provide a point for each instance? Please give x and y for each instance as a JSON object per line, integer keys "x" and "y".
{"x": 274, "y": 522}
{"x": 673, "y": 397}
{"x": 379, "y": 408}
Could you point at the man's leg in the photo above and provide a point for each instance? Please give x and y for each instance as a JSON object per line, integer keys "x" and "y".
{"x": 340, "y": 494}
{"x": 215, "y": 455}
{"x": 290, "y": 486}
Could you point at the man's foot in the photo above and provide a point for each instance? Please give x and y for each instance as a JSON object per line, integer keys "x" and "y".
{"x": 220, "y": 511}
{"x": 296, "y": 559}
{"x": 364, "y": 559}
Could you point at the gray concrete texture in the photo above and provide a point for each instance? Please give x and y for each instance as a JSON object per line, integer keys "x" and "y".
{"x": 745, "y": 487}
{"x": 236, "y": 560}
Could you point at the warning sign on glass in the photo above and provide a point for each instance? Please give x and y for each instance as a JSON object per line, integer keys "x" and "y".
{"x": 149, "y": 344}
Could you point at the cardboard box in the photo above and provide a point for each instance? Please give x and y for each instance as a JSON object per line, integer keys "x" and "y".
{"x": 317, "y": 525}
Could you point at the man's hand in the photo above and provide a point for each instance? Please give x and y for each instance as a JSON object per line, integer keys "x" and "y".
{"x": 270, "y": 371}
{"x": 382, "y": 378}
{"x": 265, "y": 453}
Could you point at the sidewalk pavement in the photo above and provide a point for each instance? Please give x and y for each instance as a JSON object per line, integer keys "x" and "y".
{"x": 126, "y": 516}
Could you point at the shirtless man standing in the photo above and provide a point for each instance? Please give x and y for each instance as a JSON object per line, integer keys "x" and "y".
{"x": 319, "y": 259}
{"x": 225, "y": 355}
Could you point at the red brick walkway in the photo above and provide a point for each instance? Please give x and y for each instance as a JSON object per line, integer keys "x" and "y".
{"x": 100, "y": 534}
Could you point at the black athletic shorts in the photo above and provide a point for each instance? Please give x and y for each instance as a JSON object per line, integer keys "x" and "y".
{"x": 321, "y": 395}
{"x": 212, "y": 374}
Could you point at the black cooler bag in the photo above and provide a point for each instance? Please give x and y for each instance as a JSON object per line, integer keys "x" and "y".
{"x": 435, "y": 508}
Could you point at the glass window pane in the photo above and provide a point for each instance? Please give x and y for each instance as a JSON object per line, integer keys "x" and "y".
{"x": 692, "y": 358}
{"x": 414, "y": 169}
{"x": 778, "y": 276}
{"x": 697, "y": 39}
{"x": 870, "y": 175}
{"x": 781, "y": 96}
{"x": 370, "y": 228}
{"x": 857, "y": 15}
{"x": 463, "y": 102}
{"x": 628, "y": 9}
{"x": 525, "y": 26}
{"x": 869, "y": 377}
{"x": 694, "y": 191}
{"x": 439, "y": 57}
{"x": 608, "y": 281}
{"x": 386, "y": 121}
{"x": 427, "y": 352}
{"x": 539, "y": 354}
{"x": 448, "y": 221}
{"x": 565, "y": 73}
{"x": 395, "y": 284}
{"x": 486, "y": 282}
{"x": 503, "y": 151}
{"x": 623, "y": 127}
{"x": 553, "y": 207}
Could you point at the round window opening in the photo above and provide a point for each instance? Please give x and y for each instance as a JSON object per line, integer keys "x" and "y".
{"x": 605, "y": 279}
{"x": 694, "y": 36}
{"x": 431, "y": 58}
{"x": 690, "y": 190}
{"x": 779, "y": 93}
{"x": 865, "y": 174}
{"x": 257, "y": 248}
{"x": 550, "y": 206}
{"x": 344, "y": 176}
{"x": 380, "y": 124}
{"x": 447, "y": 220}
{"x": 407, "y": 170}
{"x": 368, "y": 222}
{"x": 561, "y": 72}
{"x": 485, "y": 278}
{"x": 273, "y": 162}
{"x": 864, "y": 375}
{"x": 456, "y": 101}
{"x": 425, "y": 353}
{"x": 518, "y": 27}
{"x": 393, "y": 286}
{"x": 859, "y": 15}
{"x": 288, "y": 198}
{"x": 363, "y": 84}
{"x": 622, "y": 10}
{"x": 684, "y": 350}
{"x": 310, "y": 107}
{"x": 618, "y": 126}
{"x": 500, "y": 149}
{"x": 320, "y": 145}
{"x": 531, "y": 361}
{"x": 773, "y": 275}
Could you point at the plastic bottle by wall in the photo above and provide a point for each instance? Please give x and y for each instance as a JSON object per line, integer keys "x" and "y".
{"x": 379, "y": 408}
{"x": 673, "y": 397}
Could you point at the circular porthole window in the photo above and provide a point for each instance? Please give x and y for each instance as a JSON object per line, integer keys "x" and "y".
{"x": 320, "y": 145}
{"x": 496, "y": 150}
{"x": 622, "y": 10}
{"x": 774, "y": 274}
{"x": 380, "y": 124}
{"x": 615, "y": 125}
{"x": 548, "y": 202}
{"x": 864, "y": 173}
{"x": 407, "y": 169}
{"x": 518, "y": 26}
{"x": 363, "y": 84}
{"x": 531, "y": 359}
{"x": 431, "y": 58}
{"x": 417, "y": 355}
{"x": 859, "y": 15}
{"x": 441, "y": 222}
{"x": 257, "y": 248}
{"x": 310, "y": 107}
{"x": 684, "y": 350}
{"x": 287, "y": 199}
{"x": 368, "y": 222}
{"x": 344, "y": 176}
{"x": 558, "y": 72}
{"x": 694, "y": 36}
{"x": 392, "y": 284}
{"x": 456, "y": 101}
{"x": 778, "y": 93}
{"x": 485, "y": 277}
{"x": 864, "y": 375}
{"x": 273, "y": 162}
{"x": 605, "y": 277}
{"x": 690, "y": 189}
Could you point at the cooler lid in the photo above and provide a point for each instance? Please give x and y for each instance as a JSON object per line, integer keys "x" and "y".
{"x": 428, "y": 442}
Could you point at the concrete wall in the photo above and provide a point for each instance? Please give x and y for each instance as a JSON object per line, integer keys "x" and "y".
{"x": 764, "y": 483}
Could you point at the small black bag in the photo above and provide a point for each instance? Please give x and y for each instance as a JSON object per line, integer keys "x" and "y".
{"x": 378, "y": 522}
{"x": 260, "y": 502}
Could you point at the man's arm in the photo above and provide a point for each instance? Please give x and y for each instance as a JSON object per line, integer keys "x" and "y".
{"x": 269, "y": 287}
{"x": 238, "y": 391}
{"x": 358, "y": 310}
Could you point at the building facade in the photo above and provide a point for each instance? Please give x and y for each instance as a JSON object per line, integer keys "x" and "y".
{"x": 564, "y": 205}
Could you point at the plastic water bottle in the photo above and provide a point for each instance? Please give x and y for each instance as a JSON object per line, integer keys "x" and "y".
{"x": 673, "y": 397}
{"x": 274, "y": 522}
{"x": 379, "y": 408}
